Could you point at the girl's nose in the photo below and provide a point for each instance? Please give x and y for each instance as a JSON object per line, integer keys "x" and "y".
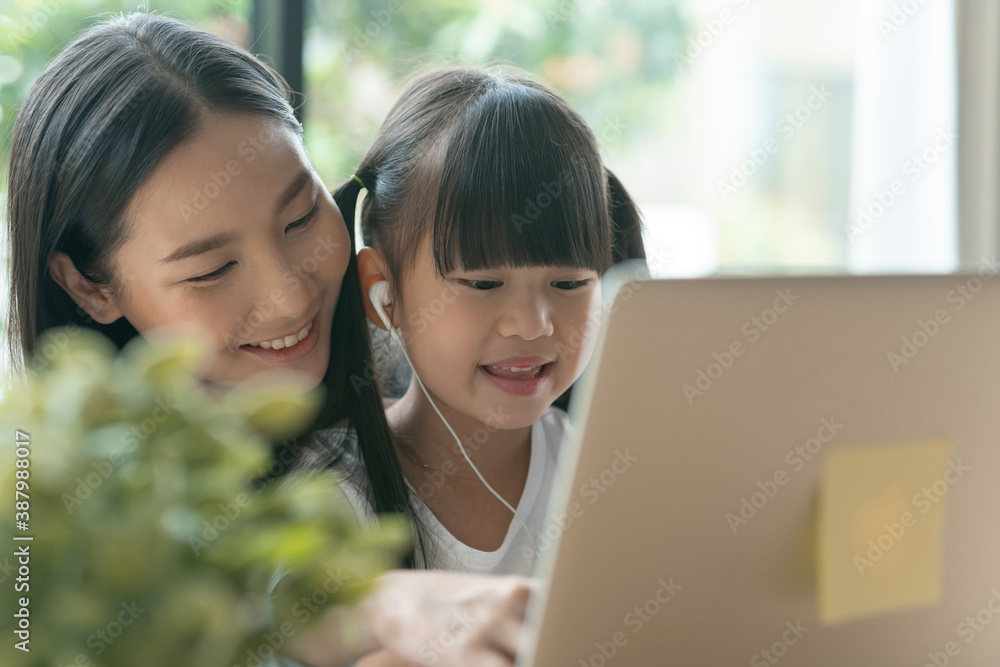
{"x": 526, "y": 318}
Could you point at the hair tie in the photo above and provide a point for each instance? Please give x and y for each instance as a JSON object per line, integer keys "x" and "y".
{"x": 360, "y": 182}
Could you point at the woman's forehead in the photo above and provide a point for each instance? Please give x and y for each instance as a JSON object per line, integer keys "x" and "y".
{"x": 234, "y": 167}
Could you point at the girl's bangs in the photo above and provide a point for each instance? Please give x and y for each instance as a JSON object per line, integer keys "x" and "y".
{"x": 520, "y": 187}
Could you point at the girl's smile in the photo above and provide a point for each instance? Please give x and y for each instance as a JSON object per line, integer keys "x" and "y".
{"x": 519, "y": 376}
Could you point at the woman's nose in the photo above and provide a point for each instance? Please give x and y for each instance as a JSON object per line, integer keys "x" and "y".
{"x": 284, "y": 291}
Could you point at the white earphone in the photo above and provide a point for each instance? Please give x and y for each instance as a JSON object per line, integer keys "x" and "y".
{"x": 379, "y": 295}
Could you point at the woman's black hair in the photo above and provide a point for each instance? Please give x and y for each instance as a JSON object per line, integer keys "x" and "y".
{"x": 497, "y": 170}
{"x": 94, "y": 126}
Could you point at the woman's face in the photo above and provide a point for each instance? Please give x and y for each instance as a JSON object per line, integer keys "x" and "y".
{"x": 235, "y": 234}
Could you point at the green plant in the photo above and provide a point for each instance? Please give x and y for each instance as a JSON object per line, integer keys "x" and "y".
{"x": 149, "y": 544}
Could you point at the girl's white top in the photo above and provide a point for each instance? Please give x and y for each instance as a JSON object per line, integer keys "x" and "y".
{"x": 519, "y": 553}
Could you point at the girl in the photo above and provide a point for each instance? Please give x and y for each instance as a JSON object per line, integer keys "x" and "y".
{"x": 491, "y": 218}
{"x": 157, "y": 177}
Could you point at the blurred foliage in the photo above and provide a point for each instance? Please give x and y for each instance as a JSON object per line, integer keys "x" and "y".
{"x": 32, "y": 32}
{"x": 613, "y": 59}
{"x": 150, "y": 545}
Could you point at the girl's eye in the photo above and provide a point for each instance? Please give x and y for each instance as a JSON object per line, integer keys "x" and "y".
{"x": 482, "y": 285}
{"x": 304, "y": 221}
{"x": 570, "y": 284}
{"x": 218, "y": 273}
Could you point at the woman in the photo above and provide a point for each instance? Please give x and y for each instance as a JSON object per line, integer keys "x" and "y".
{"x": 157, "y": 178}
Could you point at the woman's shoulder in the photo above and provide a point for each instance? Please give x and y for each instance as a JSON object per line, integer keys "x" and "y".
{"x": 335, "y": 452}
{"x": 335, "y": 447}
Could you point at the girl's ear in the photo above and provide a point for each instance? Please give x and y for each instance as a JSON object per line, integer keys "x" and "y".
{"x": 371, "y": 269}
{"x": 95, "y": 301}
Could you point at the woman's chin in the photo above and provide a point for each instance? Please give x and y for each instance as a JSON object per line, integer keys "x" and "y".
{"x": 292, "y": 378}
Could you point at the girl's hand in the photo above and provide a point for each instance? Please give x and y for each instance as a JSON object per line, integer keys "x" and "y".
{"x": 427, "y": 617}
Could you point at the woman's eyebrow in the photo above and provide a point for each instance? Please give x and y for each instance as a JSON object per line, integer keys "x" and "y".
{"x": 199, "y": 247}
{"x": 213, "y": 242}
{"x": 303, "y": 179}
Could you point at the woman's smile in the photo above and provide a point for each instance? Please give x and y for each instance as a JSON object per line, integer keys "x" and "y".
{"x": 291, "y": 347}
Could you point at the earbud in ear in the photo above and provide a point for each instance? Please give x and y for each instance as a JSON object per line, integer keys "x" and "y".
{"x": 378, "y": 293}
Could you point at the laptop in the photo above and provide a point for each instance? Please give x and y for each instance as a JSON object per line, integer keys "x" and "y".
{"x": 684, "y": 529}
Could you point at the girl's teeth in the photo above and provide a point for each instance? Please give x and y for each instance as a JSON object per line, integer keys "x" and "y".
{"x": 518, "y": 372}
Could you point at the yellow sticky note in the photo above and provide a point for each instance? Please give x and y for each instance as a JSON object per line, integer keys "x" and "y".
{"x": 881, "y": 515}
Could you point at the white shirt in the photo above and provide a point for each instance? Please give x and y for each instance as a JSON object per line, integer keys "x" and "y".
{"x": 518, "y": 553}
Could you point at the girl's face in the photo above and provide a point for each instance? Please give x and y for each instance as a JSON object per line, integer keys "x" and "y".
{"x": 499, "y": 346}
{"x": 234, "y": 234}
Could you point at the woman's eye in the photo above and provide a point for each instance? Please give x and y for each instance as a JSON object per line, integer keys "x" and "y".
{"x": 304, "y": 221}
{"x": 482, "y": 285}
{"x": 570, "y": 284}
{"x": 218, "y": 273}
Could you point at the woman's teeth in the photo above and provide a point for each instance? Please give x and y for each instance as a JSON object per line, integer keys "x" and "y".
{"x": 287, "y": 341}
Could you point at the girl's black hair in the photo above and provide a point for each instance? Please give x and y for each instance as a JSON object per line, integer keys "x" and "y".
{"x": 94, "y": 126}
{"x": 497, "y": 170}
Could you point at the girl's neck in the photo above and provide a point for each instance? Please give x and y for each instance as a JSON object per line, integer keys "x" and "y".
{"x": 428, "y": 444}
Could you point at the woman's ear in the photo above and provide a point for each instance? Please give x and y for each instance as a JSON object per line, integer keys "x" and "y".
{"x": 371, "y": 268}
{"x": 95, "y": 301}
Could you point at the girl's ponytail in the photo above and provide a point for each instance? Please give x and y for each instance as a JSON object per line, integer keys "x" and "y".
{"x": 625, "y": 221}
{"x": 346, "y": 197}
{"x": 382, "y": 469}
